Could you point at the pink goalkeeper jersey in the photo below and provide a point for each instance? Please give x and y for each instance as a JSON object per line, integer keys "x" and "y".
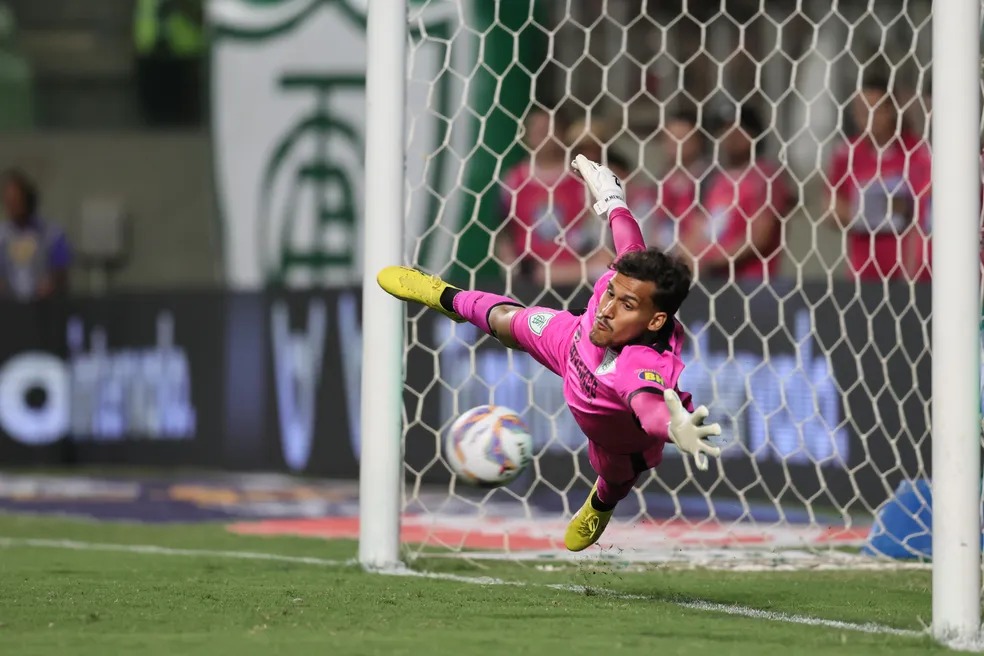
{"x": 599, "y": 383}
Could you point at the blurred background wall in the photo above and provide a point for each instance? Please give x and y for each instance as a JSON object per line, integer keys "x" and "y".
{"x": 89, "y": 110}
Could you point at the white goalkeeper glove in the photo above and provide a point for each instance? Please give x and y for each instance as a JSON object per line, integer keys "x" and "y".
{"x": 688, "y": 431}
{"x": 602, "y": 183}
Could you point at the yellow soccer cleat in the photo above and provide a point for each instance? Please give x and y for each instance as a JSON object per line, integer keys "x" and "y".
{"x": 586, "y": 525}
{"x": 412, "y": 285}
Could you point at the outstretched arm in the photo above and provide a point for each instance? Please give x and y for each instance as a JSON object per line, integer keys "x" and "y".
{"x": 665, "y": 418}
{"x": 625, "y": 231}
{"x": 653, "y": 415}
{"x": 609, "y": 198}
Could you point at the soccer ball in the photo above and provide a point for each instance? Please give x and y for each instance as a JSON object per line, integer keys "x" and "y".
{"x": 488, "y": 446}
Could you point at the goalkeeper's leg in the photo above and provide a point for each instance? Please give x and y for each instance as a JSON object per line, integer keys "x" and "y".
{"x": 492, "y": 313}
{"x": 542, "y": 332}
{"x": 617, "y": 474}
{"x": 588, "y": 523}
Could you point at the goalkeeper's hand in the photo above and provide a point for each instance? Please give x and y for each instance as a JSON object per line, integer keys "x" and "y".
{"x": 602, "y": 183}
{"x": 688, "y": 431}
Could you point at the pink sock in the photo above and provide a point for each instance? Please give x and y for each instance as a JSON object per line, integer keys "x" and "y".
{"x": 476, "y": 306}
{"x": 610, "y": 493}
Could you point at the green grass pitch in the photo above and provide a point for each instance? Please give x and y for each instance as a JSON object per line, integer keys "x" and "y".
{"x": 75, "y": 587}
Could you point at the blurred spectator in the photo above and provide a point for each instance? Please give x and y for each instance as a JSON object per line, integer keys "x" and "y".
{"x": 34, "y": 254}
{"x": 170, "y": 44}
{"x": 880, "y": 190}
{"x": 590, "y": 138}
{"x": 548, "y": 224}
{"x": 594, "y": 141}
{"x": 684, "y": 149}
{"x": 736, "y": 230}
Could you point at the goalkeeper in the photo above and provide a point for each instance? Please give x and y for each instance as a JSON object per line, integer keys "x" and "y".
{"x": 620, "y": 359}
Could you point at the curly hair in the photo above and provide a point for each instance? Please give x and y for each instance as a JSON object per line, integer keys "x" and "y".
{"x": 28, "y": 191}
{"x": 670, "y": 275}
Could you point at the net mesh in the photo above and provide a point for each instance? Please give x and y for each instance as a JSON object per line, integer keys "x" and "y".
{"x": 782, "y": 149}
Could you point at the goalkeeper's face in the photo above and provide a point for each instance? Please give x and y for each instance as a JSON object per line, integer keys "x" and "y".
{"x": 626, "y": 312}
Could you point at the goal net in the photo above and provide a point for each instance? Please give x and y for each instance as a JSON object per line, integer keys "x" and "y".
{"x": 782, "y": 149}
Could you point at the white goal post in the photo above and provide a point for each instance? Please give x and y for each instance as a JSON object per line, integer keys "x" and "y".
{"x": 956, "y": 303}
{"x": 381, "y": 468}
{"x": 815, "y": 358}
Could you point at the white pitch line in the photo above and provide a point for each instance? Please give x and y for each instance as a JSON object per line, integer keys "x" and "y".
{"x": 743, "y": 611}
{"x": 867, "y": 627}
{"x": 169, "y": 551}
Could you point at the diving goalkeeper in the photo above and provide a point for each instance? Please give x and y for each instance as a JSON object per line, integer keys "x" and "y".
{"x": 620, "y": 359}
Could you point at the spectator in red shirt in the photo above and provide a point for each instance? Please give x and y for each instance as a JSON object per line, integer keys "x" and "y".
{"x": 684, "y": 149}
{"x": 880, "y": 191}
{"x": 547, "y": 230}
{"x": 736, "y": 230}
{"x": 593, "y": 140}
{"x": 590, "y": 138}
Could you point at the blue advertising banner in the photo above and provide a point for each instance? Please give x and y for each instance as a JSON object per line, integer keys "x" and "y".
{"x": 823, "y": 392}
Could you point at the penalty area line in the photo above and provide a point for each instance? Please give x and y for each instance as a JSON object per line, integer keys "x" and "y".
{"x": 155, "y": 550}
{"x": 743, "y": 611}
{"x": 704, "y": 606}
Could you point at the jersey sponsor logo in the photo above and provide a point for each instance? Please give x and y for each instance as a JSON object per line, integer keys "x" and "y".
{"x": 607, "y": 363}
{"x": 539, "y": 321}
{"x": 651, "y": 376}
{"x": 589, "y": 384}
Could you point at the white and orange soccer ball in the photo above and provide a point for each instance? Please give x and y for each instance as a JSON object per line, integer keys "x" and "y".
{"x": 488, "y": 446}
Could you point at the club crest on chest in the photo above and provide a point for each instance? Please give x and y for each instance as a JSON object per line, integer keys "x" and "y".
{"x": 607, "y": 363}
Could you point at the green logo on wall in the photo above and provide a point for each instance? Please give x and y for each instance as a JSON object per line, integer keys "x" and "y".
{"x": 288, "y": 125}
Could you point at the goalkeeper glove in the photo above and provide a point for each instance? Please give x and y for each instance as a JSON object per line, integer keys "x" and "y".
{"x": 602, "y": 183}
{"x": 688, "y": 431}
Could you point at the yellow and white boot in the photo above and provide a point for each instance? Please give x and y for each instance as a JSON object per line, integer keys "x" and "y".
{"x": 412, "y": 285}
{"x": 587, "y": 525}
